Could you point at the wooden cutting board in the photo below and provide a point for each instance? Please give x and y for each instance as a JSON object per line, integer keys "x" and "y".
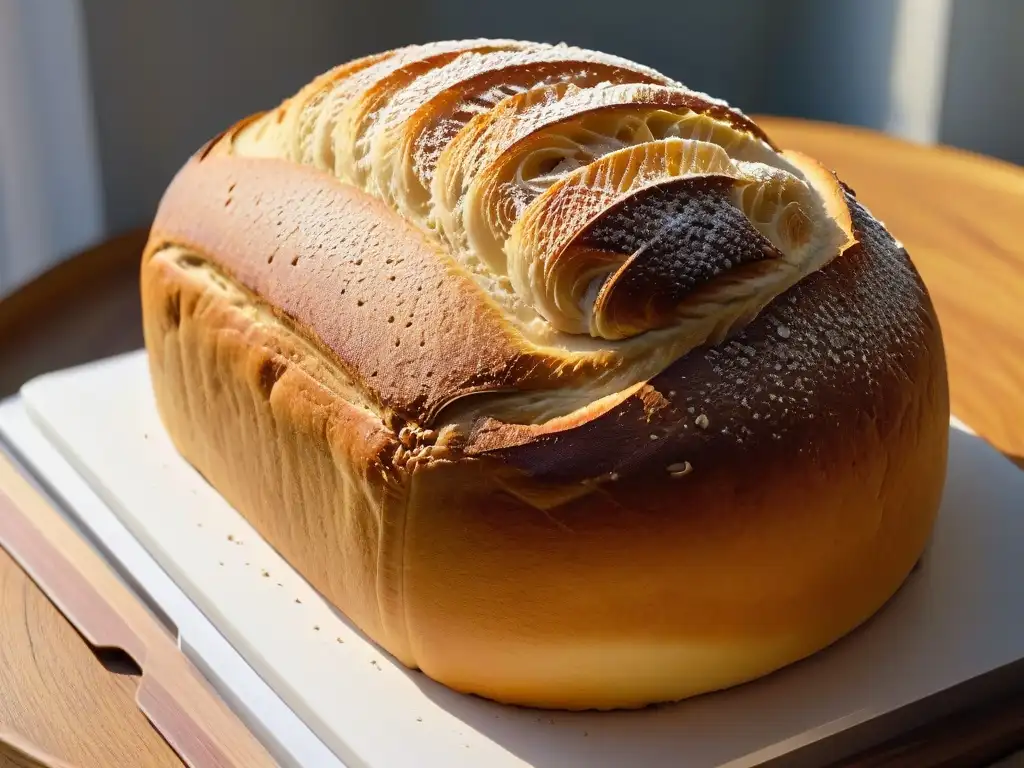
{"x": 67, "y": 702}
{"x": 120, "y": 633}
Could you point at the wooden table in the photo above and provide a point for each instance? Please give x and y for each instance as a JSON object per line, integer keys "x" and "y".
{"x": 961, "y": 218}
{"x": 71, "y": 703}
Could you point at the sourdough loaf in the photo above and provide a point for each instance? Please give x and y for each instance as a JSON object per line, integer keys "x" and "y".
{"x": 560, "y": 379}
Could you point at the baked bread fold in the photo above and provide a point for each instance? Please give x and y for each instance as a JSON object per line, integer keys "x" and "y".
{"x": 560, "y": 379}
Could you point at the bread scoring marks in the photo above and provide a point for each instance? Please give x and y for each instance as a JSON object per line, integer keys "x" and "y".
{"x": 423, "y": 118}
{"x": 695, "y": 249}
{"x": 549, "y": 142}
{"x": 526, "y": 156}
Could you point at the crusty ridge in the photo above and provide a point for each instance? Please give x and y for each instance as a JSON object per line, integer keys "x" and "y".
{"x": 468, "y": 138}
{"x": 417, "y": 542}
{"x": 488, "y": 148}
{"x": 276, "y": 229}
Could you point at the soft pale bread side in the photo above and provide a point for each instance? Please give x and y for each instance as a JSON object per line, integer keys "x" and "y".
{"x": 666, "y": 416}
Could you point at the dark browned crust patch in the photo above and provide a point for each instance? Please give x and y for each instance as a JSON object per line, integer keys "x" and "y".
{"x": 839, "y": 347}
{"x": 676, "y": 238}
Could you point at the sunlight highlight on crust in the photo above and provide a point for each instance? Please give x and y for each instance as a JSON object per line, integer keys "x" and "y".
{"x": 511, "y": 155}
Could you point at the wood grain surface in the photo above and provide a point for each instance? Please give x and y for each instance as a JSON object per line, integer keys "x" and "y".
{"x": 57, "y": 694}
{"x": 192, "y": 718}
{"x": 961, "y": 218}
{"x": 18, "y": 752}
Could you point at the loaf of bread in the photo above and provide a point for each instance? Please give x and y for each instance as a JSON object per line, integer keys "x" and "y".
{"x": 561, "y": 380}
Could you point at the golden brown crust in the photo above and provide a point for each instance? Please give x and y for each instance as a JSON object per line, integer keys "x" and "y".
{"x": 590, "y": 565}
{"x": 256, "y": 411}
{"x": 529, "y": 517}
{"x": 751, "y": 505}
{"x": 522, "y": 71}
{"x": 855, "y": 339}
{"x": 370, "y": 288}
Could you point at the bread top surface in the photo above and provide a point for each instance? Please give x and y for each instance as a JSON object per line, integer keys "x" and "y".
{"x": 511, "y": 242}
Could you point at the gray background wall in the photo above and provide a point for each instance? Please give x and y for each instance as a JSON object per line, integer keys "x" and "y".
{"x": 168, "y": 74}
{"x": 983, "y": 107}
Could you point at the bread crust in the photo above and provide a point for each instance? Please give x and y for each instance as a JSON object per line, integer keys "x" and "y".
{"x": 346, "y": 385}
{"x": 256, "y": 410}
{"x": 711, "y": 545}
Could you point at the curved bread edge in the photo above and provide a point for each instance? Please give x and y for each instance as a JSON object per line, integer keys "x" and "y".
{"x": 645, "y": 552}
{"x": 254, "y": 409}
{"x": 406, "y": 323}
{"x": 536, "y": 564}
{"x": 846, "y": 339}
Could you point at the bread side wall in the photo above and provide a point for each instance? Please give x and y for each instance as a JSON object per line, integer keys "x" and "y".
{"x": 655, "y": 588}
{"x": 308, "y": 469}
